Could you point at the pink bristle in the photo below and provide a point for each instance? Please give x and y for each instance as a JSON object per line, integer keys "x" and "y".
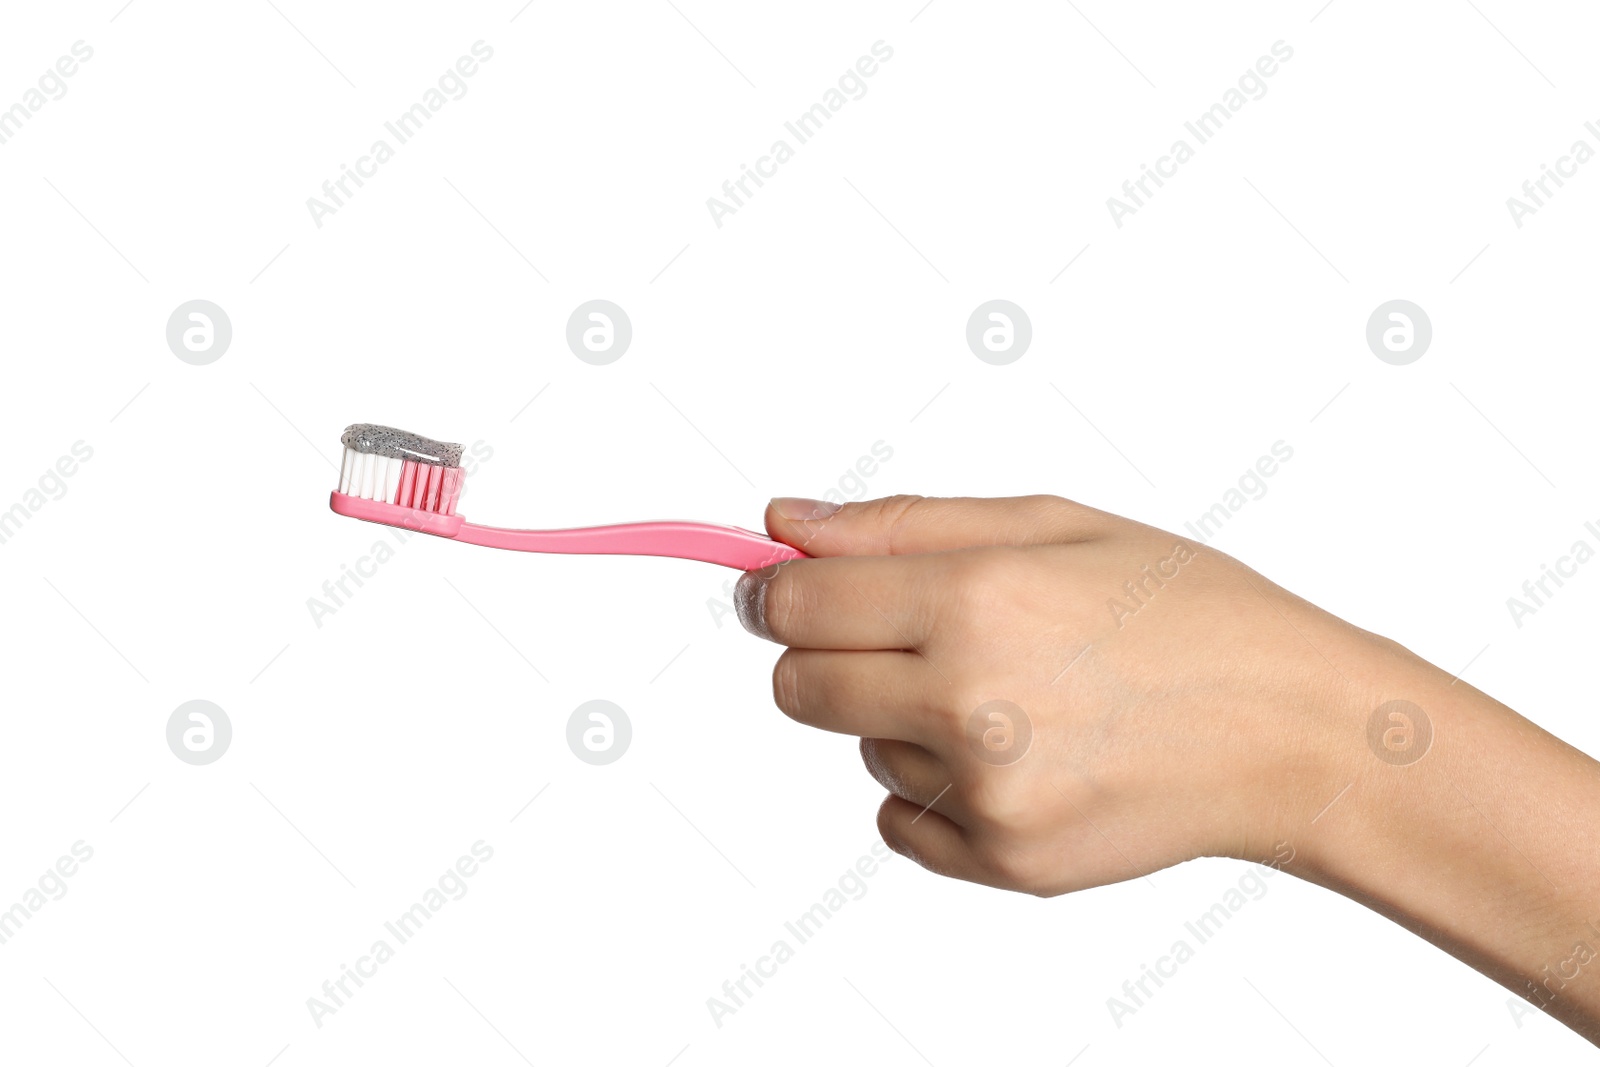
{"x": 452, "y": 490}
{"x": 430, "y": 494}
{"x": 408, "y": 478}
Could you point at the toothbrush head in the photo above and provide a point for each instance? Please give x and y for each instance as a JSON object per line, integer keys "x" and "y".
{"x": 402, "y": 470}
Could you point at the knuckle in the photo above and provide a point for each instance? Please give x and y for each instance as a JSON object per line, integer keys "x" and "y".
{"x": 1018, "y": 869}
{"x": 786, "y": 684}
{"x": 1065, "y": 520}
{"x": 781, "y": 607}
{"x": 1057, "y": 507}
{"x": 885, "y": 761}
{"x": 889, "y": 829}
{"x": 985, "y": 569}
{"x": 872, "y": 755}
{"x": 1047, "y": 505}
{"x": 894, "y": 514}
{"x": 953, "y": 709}
{"x": 1002, "y": 804}
{"x": 985, "y": 591}
{"x": 968, "y": 577}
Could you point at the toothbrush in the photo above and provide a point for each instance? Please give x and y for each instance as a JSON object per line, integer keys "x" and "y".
{"x": 402, "y": 479}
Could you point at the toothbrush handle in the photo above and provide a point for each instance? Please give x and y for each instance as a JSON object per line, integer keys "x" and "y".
{"x": 728, "y": 546}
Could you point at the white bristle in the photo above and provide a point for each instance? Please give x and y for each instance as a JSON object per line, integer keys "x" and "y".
{"x": 344, "y": 470}
{"x": 369, "y": 469}
{"x": 380, "y": 476}
{"x": 380, "y": 479}
{"x": 391, "y": 489}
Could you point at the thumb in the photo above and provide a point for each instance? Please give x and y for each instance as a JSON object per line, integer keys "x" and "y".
{"x": 904, "y": 525}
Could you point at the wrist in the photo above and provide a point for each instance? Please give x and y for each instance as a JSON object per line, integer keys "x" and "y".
{"x": 1334, "y": 752}
{"x": 1434, "y": 819}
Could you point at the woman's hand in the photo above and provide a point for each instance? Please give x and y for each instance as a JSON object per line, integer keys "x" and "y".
{"x": 1057, "y": 698}
{"x": 1074, "y": 698}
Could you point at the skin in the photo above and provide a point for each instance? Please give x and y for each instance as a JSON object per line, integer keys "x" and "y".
{"x": 1212, "y": 713}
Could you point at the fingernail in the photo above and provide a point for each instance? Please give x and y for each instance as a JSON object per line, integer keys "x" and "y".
{"x": 750, "y": 603}
{"x": 800, "y": 509}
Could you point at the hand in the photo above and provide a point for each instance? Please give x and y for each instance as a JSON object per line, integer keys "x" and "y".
{"x": 1057, "y": 698}
{"x": 1075, "y": 698}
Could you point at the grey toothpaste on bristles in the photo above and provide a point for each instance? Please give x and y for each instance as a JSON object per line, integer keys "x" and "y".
{"x": 375, "y": 440}
{"x": 374, "y": 462}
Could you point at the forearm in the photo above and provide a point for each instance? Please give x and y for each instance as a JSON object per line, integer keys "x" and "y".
{"x": 1484, "y": 845}
{"x": 1056, "y": 698}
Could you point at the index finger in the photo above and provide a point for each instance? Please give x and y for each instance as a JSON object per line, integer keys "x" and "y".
{"x": 843, "y": 602}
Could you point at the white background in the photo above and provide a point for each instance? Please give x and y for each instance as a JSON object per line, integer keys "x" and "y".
{"x": 768, "y": 355}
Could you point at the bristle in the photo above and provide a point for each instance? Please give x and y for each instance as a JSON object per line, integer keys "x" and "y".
{"x": 408, "y": 482}
{"x": 391, "y": 484}
{"x": 376, "y": 467}
{"x": 430, "y": 495}
{"x": 453, "y": 477}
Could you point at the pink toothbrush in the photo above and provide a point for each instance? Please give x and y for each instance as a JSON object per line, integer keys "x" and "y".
{"x": 401, "y": 479}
